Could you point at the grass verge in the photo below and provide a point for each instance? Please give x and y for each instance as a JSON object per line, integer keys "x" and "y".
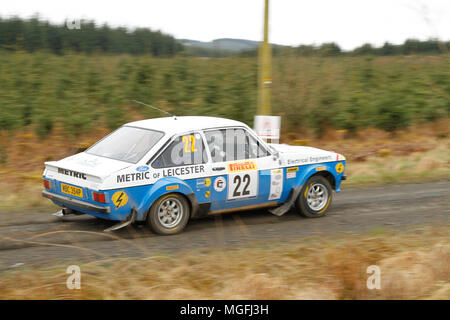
{"x": 414, "y": 265}
{"x": 426, "y": 166}
{"x": 375, "y": 157}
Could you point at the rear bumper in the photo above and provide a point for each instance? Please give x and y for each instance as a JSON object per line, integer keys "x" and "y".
{"x": 74, "y": 202}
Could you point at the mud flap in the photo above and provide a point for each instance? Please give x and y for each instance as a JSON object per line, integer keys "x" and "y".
{"x": 120, "y": 225}
{"x": 285, "y": 207}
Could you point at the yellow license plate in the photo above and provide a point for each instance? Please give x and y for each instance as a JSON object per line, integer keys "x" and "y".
{"x": 73, "y": 191}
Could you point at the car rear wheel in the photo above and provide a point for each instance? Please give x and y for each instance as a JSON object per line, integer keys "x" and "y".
{"x": 169, "y": 214}
{"x": 315, "y": 197}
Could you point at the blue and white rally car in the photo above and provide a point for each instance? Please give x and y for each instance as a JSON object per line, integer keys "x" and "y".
{"x": 166, "y": 171}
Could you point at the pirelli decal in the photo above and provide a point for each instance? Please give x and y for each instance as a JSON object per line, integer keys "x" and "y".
{"x": 292, "y": 169}
{"x": 249, "y": 165}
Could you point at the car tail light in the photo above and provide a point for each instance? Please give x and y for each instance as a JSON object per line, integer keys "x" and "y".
{"x": 99, "y": 197}
{"x": 47, "y": 184}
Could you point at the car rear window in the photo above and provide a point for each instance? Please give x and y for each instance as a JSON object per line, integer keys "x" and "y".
{"x": 127, "y": 144}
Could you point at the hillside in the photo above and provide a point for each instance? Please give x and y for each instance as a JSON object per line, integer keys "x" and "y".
{"x": 224, "y": 44}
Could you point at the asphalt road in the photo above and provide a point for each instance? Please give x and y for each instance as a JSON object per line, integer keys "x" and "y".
{"x": 39, "y": 238}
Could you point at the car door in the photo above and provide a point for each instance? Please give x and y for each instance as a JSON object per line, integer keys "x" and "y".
{"x": 241, "y": 168}
{"x": 185, "y": 157}
{"x": 271, "y": 176}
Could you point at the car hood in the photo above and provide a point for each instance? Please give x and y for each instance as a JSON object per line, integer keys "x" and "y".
{"x": 314, "y": 154}
{"x": 285, "y": 148}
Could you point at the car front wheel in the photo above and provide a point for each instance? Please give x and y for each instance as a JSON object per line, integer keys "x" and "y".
{"x": 169, "y": 214}
{"x": 315, "y": 197}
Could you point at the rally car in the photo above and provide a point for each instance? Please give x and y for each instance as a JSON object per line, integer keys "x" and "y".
{"x": 166, "y": 171}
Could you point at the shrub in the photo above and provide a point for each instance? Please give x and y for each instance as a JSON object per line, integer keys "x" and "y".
{"x": 391, "y": 115}
{"x": 44, "y": 125}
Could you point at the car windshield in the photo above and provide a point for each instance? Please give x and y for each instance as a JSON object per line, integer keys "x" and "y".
{"x": 127, "y": 144}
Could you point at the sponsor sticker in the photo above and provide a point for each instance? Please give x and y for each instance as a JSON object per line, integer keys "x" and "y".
{"x": 249, "y": 165}
{"x": 276, "y": 184}
{"x": 142, "y": 168}
{"x": 220, "y": 184}
{"x": 320, "y": 168}
{"x": 131, "y": 177}
{"x": 181, "y": 171}
{"x": 310, "y": 159}
{"x": 292, "y": 169}
{"x": 173, "y": 187}
{"x": 207, "y": 182}
{"x": 71, "y": 173}
{"x": 200, "y": 183}
{"x": 207, "y": 194}
{"x": 171, "y": 172}
{"x": 119, "y": 199}
{"x": 290, "y": 175}
{"x": 339, "y": 167}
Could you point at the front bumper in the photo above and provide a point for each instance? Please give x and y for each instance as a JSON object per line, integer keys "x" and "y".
{"x": 75, "y": 202}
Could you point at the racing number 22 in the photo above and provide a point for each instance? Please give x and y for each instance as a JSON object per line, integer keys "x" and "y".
{"x": 237, "y": 182}
{"x": 186, "y": 140}
{"x": 242, "y": 185}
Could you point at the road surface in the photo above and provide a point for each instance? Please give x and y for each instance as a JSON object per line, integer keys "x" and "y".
{"x": 40, "y": 239}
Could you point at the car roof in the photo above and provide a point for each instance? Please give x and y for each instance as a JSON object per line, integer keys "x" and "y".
{"x": 174, "y": 125}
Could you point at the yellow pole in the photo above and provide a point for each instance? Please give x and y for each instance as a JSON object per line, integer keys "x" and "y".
{"x": 265, "y": 69}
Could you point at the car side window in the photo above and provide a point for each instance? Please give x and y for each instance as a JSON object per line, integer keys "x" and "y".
{"x": 187, "y": 149}
{"x": 216, "y": 140}
{"x": 255, "y": 148}
{"x": 233, "y": 144}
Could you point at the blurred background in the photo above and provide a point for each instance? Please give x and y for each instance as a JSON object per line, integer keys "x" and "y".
{"x": 66, "y": 80}
{"x": 370, "y": 80}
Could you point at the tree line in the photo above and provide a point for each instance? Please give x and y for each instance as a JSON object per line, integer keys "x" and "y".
{"x": 79, "y": 92}
{"x": 331, "y": 49}
{"x": 38, "y": 35}
{"x": 86, "y": 37}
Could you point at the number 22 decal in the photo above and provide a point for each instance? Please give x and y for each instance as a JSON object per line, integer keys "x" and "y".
{"x": 186, "y": 140}
{"x": 237, "y": 183}
{"x": 243, "y": 185}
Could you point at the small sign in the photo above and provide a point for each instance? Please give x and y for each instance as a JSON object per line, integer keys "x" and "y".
{"x": 268, "y": 127}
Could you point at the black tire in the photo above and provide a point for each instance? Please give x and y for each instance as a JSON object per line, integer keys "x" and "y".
{"x": 163, "y": 218}
{"x": 309, "y": 203}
